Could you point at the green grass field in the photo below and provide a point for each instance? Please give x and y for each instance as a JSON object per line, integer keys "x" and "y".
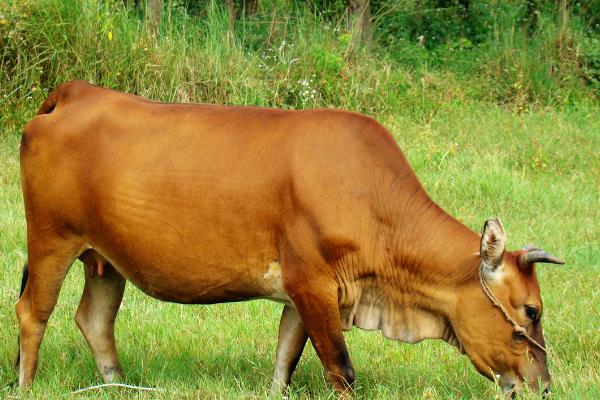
{"x": 538, "y": 172}
{"x": 535, "y": 165}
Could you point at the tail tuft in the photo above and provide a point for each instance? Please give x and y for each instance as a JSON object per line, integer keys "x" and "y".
{"x": 23, "y": 284}
{"x": 24, "y": 279}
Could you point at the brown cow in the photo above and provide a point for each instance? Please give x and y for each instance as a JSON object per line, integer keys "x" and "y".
{"x": 316, "y": 209}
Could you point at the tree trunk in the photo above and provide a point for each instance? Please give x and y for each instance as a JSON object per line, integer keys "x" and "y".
{"x": 153, "y": 13}
{"x": 360, "y": 16}
{"x": 232, "y": 14}
{"x": 563, "y": 15}
{"x": 563, "y": 35}
{"x": 531, "y": 17}
{"x": 466, "y": 16}
{"x": 419, "y": 18}
{"x": 249, "y": 6}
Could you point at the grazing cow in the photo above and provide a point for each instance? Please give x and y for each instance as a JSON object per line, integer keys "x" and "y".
{"x": 316, "y": 209}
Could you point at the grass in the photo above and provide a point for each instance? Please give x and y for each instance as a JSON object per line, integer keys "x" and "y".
{"x": 537, "y": 167}
{"x": 537, "y": 171}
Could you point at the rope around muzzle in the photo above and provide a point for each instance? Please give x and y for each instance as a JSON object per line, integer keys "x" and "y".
{"x": 516, "y": 327}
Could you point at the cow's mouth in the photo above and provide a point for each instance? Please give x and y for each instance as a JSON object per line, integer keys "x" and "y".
{"x": 509, "y": 391}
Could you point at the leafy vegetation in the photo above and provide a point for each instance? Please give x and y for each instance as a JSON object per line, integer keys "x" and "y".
{"x": 498, "y": 115}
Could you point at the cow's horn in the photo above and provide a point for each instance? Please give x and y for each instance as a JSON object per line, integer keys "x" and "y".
{"x": 530, "y": 247}
{"x": 539, "y": 256}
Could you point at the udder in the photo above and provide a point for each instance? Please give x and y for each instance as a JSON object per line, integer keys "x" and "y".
{"x": 94, "y": 263}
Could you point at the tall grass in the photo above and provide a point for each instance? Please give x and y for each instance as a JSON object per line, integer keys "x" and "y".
{"x": 191, "y": 59}
{"x": 284, "y": 56}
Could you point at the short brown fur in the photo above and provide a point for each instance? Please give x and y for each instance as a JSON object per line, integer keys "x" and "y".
{"x": 318, "y": 209}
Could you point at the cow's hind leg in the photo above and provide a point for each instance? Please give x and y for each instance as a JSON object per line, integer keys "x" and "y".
{"x": 49, "y": 260}
{"x": 292, "y": 338}
{"x": 96, "y": 315}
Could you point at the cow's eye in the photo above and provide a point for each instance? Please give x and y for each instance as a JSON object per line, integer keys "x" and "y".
{"x": 531, "y": 312}
{"x": 518, "y": 336}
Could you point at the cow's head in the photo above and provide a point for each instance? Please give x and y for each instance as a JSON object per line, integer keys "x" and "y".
{"x": 498, "y": 317}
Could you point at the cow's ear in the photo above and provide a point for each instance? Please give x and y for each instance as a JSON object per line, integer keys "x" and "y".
{"x": 493, "y": 242}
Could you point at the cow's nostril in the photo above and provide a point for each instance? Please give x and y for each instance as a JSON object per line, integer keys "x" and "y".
{"x": 513, "y": 392}
{"x": 546, "y": 392}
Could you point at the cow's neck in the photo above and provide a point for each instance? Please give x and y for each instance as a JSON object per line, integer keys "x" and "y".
{"x": 432, "y": 249}
{"x": 425, "y": 257}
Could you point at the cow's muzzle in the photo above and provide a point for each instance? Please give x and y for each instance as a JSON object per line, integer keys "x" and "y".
{"x": 511, "y": 390}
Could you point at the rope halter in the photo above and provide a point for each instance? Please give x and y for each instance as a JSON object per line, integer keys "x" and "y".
{"x": 516, "y": 327}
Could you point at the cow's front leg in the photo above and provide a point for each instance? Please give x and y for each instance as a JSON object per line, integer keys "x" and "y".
{"x": 292, "y": 338}
{"x": 315, "y": 297}
{"x": 321, "y": 318}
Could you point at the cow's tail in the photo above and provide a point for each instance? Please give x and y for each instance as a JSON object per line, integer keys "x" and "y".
{"x": 50, "y": 102}
{"x": 24, "y": 279}
{"x": 23, "y": 284}
{"x": 61, "y": 94}
{"x": 55, "y": 100}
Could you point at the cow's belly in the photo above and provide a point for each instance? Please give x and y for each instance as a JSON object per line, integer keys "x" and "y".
{"x": 189, "y": 229}
{"x": 188, "y": 254}
{"x": 172, "y": 274}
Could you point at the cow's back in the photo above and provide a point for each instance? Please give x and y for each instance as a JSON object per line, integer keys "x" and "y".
{"x": 192, "y": 202}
